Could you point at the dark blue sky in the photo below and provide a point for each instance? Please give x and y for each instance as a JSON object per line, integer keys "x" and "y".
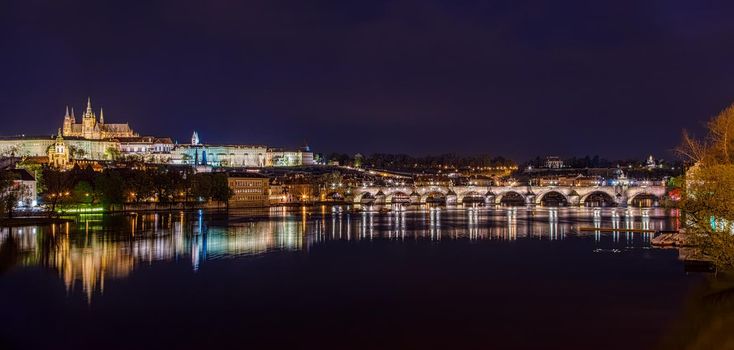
{"x": 517, "y": 78}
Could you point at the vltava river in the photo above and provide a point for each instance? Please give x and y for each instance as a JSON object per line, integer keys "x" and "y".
{"x": 323, "y": 277}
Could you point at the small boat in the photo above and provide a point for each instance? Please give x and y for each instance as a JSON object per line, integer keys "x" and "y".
{"x": 670, "y": 239}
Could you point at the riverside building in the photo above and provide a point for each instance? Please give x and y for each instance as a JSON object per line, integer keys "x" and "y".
{"x": 249, "y": 190}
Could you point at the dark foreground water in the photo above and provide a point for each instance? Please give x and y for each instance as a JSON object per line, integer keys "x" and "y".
{"x": 317, "y": 278}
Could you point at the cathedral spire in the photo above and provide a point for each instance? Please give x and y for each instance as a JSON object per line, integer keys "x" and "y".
{"x": 72, "y": 114}
{"x": 67, "y": 112}
{"x": 89, "y": 108}
{"x": 195, "y": 138}
{"x": 101, "y": 115}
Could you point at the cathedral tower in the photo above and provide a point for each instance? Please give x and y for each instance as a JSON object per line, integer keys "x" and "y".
{"x": 92, "y": 128}
{"x": 68, "y": 122}
{"x": 89, "y": 120}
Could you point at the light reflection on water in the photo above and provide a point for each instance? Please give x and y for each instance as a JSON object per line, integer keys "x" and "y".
{"x": 96, "y": 248}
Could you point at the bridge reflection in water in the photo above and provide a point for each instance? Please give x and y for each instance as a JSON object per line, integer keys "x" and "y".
{"x": 97, "y": 248}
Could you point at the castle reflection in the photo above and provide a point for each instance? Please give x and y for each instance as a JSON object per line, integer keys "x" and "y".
{"x": 94, "y": 249}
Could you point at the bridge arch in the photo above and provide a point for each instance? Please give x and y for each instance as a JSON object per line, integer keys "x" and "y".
{"x": 433, "y": 197}
{"x": 472, "y": 197}
{"x": 598, "y": 198}
{"x": 644, "y": 199}
{"x": 552, "y": 199}
{"x": 511, "y": 198}
{"x": 335, "y": 196}
{"x": 359, "y": 196}
{"x": 397, "y": 197}
{"x": 364, "y": 197}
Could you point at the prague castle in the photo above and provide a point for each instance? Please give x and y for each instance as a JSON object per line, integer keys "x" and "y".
{"x": 93, "y": 140}
{"x": 92, "y": 129}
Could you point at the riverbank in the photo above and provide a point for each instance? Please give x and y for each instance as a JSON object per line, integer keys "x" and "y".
{"x": 31, "y": 221}
{"x": 163, "y": 207}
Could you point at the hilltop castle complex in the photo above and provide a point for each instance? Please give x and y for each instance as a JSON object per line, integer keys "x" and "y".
{"x": 93, "y": 140}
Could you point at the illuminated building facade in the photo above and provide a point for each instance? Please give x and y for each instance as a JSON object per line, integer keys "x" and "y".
{"x": 280, "y": 157}
{"x": 147, "y": 148}
{"x": 93, "y": 128}
{"x": 553, "y": 162}
{"x": 249, "y": 190}
{"x": 58, "y": 154}
{"x": 26, "y": 182}
{"x": 245, "y": 156}
{"x": 55, "y": 148}
{"x": 237, "y": 156}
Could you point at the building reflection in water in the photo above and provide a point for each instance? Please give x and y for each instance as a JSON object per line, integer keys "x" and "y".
{"x": 97, "y": 248}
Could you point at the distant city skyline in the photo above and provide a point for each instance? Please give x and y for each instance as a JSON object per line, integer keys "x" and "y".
{"x": 615, "y": 78}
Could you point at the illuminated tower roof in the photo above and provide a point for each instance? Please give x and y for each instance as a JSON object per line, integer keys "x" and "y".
{"x": 89, "y": 113}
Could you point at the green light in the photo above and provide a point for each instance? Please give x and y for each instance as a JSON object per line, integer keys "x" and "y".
{"x": 82, "y": 210}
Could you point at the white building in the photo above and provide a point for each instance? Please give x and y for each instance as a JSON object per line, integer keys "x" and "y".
{"x": 147, "y": 148}
{"x": 553, "y": 162}
{"x": 26, "y": 183}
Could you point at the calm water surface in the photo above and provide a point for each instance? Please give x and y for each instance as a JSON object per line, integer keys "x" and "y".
{"x": 318, "y": 278}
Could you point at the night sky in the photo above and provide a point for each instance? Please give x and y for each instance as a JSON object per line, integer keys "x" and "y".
{"x": 518, "y": 78}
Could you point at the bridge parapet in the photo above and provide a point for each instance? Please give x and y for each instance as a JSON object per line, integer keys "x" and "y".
{"x": 532, "y": 195}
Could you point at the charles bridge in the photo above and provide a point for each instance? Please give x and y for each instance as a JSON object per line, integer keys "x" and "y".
{"x": 504, "y": 195}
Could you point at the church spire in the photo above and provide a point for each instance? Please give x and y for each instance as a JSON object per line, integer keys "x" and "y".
{"x": 67, "y": 112}
{"x": 101, "y": 115}
{"x": 89, "y": 113}
{"x": 72, "y": 114}
{"x": 89, "y": 107}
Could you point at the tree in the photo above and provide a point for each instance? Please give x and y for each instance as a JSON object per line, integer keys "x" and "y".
{"x": 220, "y": 191}
{"x": 8, "y": 194}
{"x": 162, "y": 184}
{"x": 112, "y": 153}
{"x": 185, "y": 182}
{"x": 76, "y": 152}
{"x": 138, "y": 186}
{"x": 709, "y": 215}
{"x": 83, "y": 193}
{"x": 709, "y": 190}
{"x": 201, "y": 186}
{"x": 10, "y": 151}
{"x": 333, "y": 179}
{"x": 109, "y": 187}
{"x": 57, "y": 185}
